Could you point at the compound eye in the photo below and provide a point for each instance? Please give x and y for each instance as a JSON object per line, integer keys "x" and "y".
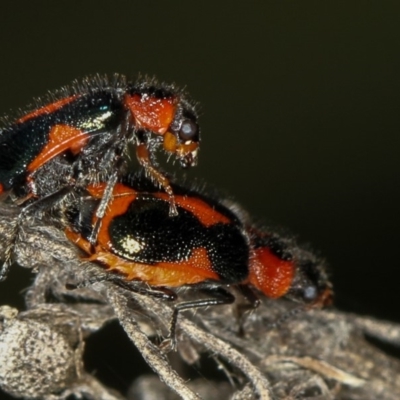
{"x": 189, "y": 130}
{"x": 310, "y": 293}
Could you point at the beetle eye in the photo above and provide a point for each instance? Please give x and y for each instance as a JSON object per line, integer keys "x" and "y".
{"x": 310, "y": 293}
{"x": 189, "y": 130}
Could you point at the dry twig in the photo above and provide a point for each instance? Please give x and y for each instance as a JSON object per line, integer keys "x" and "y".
{"x": 313, "y": 355}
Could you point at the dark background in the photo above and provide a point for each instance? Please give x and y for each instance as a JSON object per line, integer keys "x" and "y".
{"x": 299, "y": 104}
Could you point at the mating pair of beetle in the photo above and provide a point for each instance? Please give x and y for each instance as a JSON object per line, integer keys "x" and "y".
{"x": 143, "y": 229}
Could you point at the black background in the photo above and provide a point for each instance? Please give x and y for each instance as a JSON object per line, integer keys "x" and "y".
{"x": 299, "y": 100}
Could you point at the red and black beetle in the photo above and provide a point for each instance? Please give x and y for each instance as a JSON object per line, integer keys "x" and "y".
{"x": 208, "y": 245}
{"x": 82, "y": 136}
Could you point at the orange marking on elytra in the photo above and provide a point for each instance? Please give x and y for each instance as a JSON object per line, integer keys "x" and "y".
{"x": 121, "y": 199}
{"x": 117, "y": 206}
{"x": 203, "y": 211}
{"x": 183, "y": 272}
{"x": 196, "y": 269}
{"x": 48, "y": 109}
{"x": 61, "y": 138}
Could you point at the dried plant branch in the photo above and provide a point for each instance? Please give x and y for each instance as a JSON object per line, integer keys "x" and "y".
{"x": 149, "y": 351}
{"x": 316, "y": 354}
{"x": 210, "y": 341}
